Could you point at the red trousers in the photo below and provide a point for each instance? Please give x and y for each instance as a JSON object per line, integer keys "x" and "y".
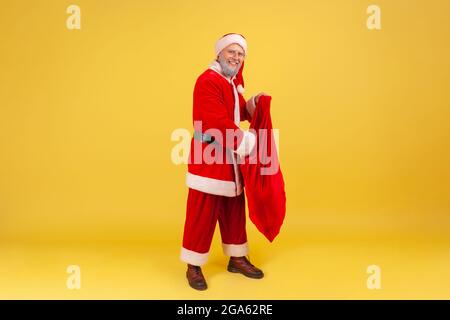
{"x": 202, "y": 212}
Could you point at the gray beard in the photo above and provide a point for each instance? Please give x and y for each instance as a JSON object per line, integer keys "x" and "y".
{"x": 228, "y": 72}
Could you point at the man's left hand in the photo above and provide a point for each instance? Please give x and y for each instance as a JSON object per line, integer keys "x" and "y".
{"x": 259, "y": 95}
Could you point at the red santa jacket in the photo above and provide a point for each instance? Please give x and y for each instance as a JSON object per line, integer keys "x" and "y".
{"x": 218, "y": 108}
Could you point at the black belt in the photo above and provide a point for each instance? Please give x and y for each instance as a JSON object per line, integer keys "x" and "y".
{"x": 203, "y": 137}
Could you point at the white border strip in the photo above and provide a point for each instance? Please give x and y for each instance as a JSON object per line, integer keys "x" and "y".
{"x": 194, "y": 258}
{"x": 235, "y": 250}
{"x": 211, "y": 186}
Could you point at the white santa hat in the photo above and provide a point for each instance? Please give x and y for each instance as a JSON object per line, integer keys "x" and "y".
{"x": 231, "y": 38}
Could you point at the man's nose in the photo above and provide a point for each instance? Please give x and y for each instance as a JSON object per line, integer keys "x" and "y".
{"x": 236, "y": 55}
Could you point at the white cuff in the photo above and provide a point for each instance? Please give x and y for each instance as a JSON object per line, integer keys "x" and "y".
{"x": 235, "y": 250}
{"x": 251, "y": 106}
{"x": 192, "y": 257}
{"x": 247, "y": 144}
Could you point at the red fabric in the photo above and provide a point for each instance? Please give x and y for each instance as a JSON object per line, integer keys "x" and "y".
{"x": 213, "y": 105}
{"x": 202, "y": 213}
{"x": 266, "y": 196}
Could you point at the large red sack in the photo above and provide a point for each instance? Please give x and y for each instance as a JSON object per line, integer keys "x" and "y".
{"x": 263, "y": 180}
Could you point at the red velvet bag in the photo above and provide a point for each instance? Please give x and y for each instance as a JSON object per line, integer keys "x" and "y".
{"x": 263, "y": 180}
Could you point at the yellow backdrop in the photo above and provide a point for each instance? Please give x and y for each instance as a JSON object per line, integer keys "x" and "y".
{"x": 86, "y": 117}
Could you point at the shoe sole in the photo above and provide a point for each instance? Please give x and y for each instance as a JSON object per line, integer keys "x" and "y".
{"x": 253, "y": 276}
{"x": 198, "y": 288}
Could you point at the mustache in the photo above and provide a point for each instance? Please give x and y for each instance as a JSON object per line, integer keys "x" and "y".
{"x": 230, "y": 72}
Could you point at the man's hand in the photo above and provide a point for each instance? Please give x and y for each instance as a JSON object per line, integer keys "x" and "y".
{"x": 259, "y": 95}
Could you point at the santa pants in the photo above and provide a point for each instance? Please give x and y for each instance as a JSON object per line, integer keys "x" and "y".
{"x": 202, "y": 212}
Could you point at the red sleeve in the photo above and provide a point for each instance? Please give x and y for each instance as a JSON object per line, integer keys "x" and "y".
{"x": 210, "y": 108}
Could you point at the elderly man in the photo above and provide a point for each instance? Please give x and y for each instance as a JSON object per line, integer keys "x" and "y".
{"x": 215, "y": 187}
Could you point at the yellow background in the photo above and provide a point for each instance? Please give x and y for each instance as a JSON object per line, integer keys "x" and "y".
{"x": 86, "y": 116}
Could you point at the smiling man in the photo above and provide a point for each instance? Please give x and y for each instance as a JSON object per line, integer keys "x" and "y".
{"x": 215, "y": 187}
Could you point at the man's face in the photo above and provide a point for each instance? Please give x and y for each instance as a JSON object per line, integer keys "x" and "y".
{"x": 231, "y": 58}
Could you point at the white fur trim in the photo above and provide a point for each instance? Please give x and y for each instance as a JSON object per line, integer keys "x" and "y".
{"x": 237, "y": 111}
{"x": 212, "y": 186}
{"x": 251, "y": 105}
{"x": 240, "y": 89}
{"x": 192, "y": 257}
{"x": 247, "y": 144}
{"x": 235, "y": 250}
{"x": 229, "y": 39}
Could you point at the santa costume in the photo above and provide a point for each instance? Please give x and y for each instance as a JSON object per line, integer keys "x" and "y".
{"x": 216, "y": 188}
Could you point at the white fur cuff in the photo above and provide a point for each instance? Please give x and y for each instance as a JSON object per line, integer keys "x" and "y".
{"x": 235, "y": 250}
{"x": 247, "y": 144}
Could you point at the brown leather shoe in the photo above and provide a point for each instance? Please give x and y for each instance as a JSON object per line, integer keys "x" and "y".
{"x": 242, "y": 265}
{"x": 195, "y": 277}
